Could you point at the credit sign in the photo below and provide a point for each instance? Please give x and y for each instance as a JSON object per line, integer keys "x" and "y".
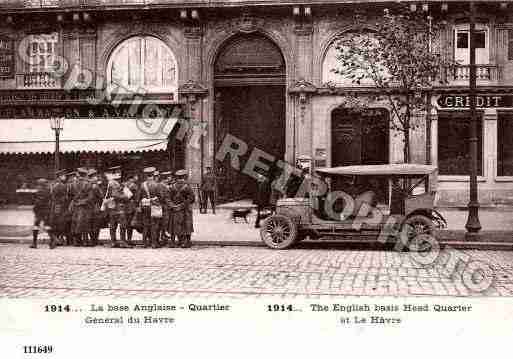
{"x": 482, "y": 101}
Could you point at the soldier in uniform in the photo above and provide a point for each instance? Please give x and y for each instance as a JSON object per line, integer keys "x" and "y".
{"x": 172, "y": 211}
{"x": 71, "y": 180}
{"x": 150, "y": 194}
{"x": 96, "y": 213}
{"x": 262, "y": 196}
{"x": 118, "y": 210}
{"x": 132, "y": 184}
{"x": 41, "y": 210}
{"x": 183, "y": 199}
{"x": 83, "y": 198}
{"x": 165, "y": 235}
{"x": 208, "y": 191}
{"x": 59, "y": 203}
{"x": 166, "y": 207}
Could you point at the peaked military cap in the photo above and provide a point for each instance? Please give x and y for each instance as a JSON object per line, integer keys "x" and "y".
{"x": 59, "y": 173}
{"x": 181, "y": 173}
{"x": 82, "y": 170}
{"x": 149, "y": 170}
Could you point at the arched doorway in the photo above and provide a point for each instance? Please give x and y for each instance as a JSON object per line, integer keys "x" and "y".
{"x": 360, "y": 137}
{"x": 249, "y": 86}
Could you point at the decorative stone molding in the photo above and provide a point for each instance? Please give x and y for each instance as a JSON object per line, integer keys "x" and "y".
{"x": 302, "y": 86}
{"x": 193, "y": 31}
{"x": 304, "y": 28}
{"x": 303, "y": 90}
{"x": 40, "y": 26}
{"x": 192, "y": 24}
{"x": 248, "y": 23}
{"x": 88, "y": 32}
{"x": 192, "y": 91}
{"x": 303, "y": 20}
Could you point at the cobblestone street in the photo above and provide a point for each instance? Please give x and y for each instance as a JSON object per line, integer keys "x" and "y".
{"x": 226, "y": 272}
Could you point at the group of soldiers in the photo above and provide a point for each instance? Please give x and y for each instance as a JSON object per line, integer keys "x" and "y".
{"x": 77, "y": 205}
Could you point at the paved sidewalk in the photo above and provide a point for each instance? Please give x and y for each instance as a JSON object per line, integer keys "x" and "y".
{"x": 219, "y": 229}
{"x": 15, "y": 226}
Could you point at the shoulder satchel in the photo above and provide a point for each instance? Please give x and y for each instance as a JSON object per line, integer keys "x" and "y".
{"x": 156, "y": 210}
{"x": 107, "y": 203}
{"x": 146, "y": 202}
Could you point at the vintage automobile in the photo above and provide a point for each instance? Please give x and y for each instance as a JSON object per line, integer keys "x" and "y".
{"x": 338, "y": 212}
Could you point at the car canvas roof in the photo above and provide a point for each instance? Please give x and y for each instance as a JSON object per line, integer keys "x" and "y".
{"x": 399, "y": 169}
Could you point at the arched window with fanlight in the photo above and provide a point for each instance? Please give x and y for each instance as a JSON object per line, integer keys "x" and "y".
{"x": 142, "y": 64}
{"x": 331, "y": 61}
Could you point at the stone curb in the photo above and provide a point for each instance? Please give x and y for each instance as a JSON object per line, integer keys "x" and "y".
{"x": 499, "y": 240}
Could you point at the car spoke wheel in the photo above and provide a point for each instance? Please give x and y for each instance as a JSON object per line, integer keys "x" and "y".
{"x": 417, "y": 228}
{"x": 278, "y": 232}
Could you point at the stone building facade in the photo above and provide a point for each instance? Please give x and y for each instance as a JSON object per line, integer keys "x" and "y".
{"x": 256, "y": 70}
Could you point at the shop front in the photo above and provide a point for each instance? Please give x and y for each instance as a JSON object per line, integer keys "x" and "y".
{"x": 94, "y": 136}
{"x": 450, "y": 150}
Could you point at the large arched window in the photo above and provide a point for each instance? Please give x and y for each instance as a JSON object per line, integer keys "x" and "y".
{"x": 142, "y": 64}
{"x": 331, "y": 62}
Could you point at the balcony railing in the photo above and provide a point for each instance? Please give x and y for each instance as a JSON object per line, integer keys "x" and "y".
{"x": 35, "y": 4}
{"x": 461, "y": 73}
{"x": 41, "y": 3}
{"x": 38, "y": 80}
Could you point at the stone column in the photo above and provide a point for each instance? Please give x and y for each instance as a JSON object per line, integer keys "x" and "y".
{"x": 70, "y": 51}
{"x": 87, "y": 43}
{"x": 194, "y": 158}
{"x": 303, "y": 115}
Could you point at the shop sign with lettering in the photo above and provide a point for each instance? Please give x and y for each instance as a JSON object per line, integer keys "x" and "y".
{"x": 482, "y": 101}
{"x": 6, "y": 57}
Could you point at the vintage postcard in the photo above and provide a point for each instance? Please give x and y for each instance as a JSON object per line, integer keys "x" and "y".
{"x": 300, "y": 178}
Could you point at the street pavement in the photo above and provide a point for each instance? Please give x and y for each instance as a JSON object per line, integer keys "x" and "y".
{"x": 497, "y": 226}
{"x": 309, "y": 272}
{"x": 228, "y": 260}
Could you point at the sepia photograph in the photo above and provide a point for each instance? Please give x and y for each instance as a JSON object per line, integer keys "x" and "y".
{"x": 232, "y": 148}
{"x": 222, "y": 150}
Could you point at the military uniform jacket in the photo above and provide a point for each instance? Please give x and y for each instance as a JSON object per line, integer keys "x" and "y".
{"x": 132, "y": 202}
{"x": 83, "y": 195}
{"x": 97, "y": 196}
{"x": 115, "y": 191}
{"x": 183, "y": 199}
{"x": 42, "y": 201}
{"x": 209, "y": 182}
{"x": 167, "y": 204}
{"x": 59, "y": 207}
{"x": 59, "y": 199}
{"x": 152, "y": 189}
{"x": 82, "y": 206}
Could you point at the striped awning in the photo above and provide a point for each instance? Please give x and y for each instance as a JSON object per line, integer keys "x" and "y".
{"x": 82, "y": 135}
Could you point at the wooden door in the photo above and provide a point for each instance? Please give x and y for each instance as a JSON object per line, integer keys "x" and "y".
{"x": 255, "y": 115}
{"x": 346, "y": 144}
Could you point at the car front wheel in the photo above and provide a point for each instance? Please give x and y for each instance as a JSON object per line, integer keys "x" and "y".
{"x": 278, "y": 232}
{"x": 419, "y": 231}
